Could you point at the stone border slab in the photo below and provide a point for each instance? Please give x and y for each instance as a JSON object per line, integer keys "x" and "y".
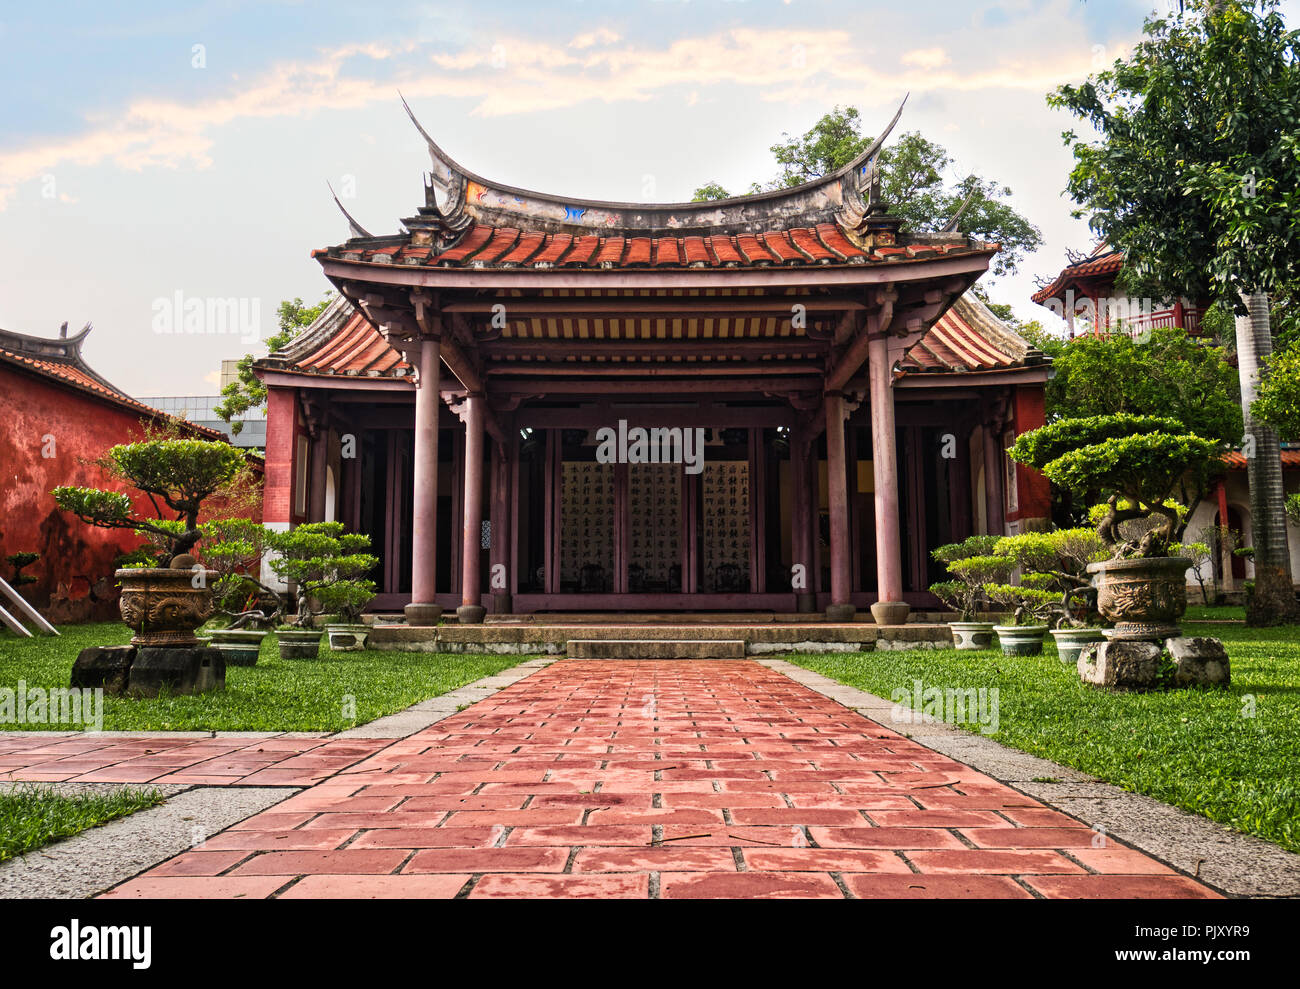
{"x": 1233, "y": 863}
{"x": 99, "y": 859}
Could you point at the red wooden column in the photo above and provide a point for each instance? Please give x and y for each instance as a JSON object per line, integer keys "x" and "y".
{"x": 471, "y": 610}
{"x": 889, "y": 608}
{"x": 499, "y": 558}
{"x": 801, "y": 548}
{"x": 841, "y": 608}
{"x": 423, "y": 609}
{"x": 1227, "y": 585}
{"x": 994, "y": 496}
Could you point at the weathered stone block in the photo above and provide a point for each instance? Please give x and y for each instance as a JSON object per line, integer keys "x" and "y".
{"x": 1122, "y": 665}
{"x": 1199, "y": 661}
{"x": 106, "y": 667}
{"x": 181, "y": 670}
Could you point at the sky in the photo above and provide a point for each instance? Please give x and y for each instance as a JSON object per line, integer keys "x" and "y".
{"x": 155, "y": 154}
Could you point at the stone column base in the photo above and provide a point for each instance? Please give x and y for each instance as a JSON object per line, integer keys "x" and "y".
{"x": 423, "y": 614}
{"x": 471, "y": 614}
{"x": 891, "y": 612}
{"x": 840, "y": 612}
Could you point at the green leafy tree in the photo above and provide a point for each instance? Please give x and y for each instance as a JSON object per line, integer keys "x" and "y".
{"x": 1279, "y": 393}
{"x": 328, "y": 565}
{"x": 913, "y": 183}
{"x": 1197, "y": 177}
{"x": 247, "y": 392}
{"x": 177, "y": 475}
{"x": 1166, "y": 373}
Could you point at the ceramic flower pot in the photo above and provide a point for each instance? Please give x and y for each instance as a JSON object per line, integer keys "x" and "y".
{"x": 1070, "y": 642}
{"x": 1021, "y": 640}
{"x": 972, "y": 635}
{"x": 298, "y": 643}
{"x": 164, "y": 606}
{"x": 1144, "y": 598}
{"x": 239, "y": 646}
{"x": 347, "y": 638}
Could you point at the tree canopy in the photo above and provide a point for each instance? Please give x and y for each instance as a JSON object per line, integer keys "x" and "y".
{"x": 914, "y": 183}
{"x": 1166, "y": 372}
{"x": 248, "y": 392}
{"x": 1197, "y": 176}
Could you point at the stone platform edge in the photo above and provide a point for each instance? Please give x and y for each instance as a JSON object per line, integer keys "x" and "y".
{"x": 548, "y": 639}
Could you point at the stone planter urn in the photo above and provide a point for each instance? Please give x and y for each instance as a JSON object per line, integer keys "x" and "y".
{"x": 1021, "y": 640}
{"x": 162, "y": 605}
{"x": 1144, "y": 598}
{"x": 347, "y": 638}
{"x": 238, "y": 646}
{"x": 1070, "y": 641}
{"x": 972, "y": 635}
{"x": 298, "y": 643}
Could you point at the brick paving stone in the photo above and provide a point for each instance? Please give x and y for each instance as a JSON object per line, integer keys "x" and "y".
{"x": 1121, "y": 887}
{"x": 911, "y": 887}
{"x": 627, "y": 887}
{"x": 739, "y": 782}
{"x": 748, "y": 885}
{"x": 431, "y": 887}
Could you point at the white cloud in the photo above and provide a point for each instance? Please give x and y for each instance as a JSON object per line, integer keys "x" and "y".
{"x": 519, "y": 75}
{"x": 926, "y": 58}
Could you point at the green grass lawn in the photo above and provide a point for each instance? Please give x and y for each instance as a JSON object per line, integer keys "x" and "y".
{"x": 1232, "y": 755}
{"x": 274, "y": 695}
{"x": 35, "y": 815}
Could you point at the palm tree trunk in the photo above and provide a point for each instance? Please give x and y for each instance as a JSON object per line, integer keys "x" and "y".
{"x": 1274, "y": 600}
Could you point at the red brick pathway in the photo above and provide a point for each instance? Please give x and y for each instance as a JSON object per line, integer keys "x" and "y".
{"x": 206, "y": 761}
{"x": 661, "y": 779}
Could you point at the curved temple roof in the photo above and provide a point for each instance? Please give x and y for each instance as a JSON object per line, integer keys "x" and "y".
{"x": 847, "y": 195}
{"x": 471, "y": 221}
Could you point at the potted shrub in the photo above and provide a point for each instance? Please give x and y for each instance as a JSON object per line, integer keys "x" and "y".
{"x": 1135, "y": 463}
{"x": 327, "y": 565}
{"x": 233, "y": 549}
{"x": 1030, "y": 605}
{"x": 972, "y": 565}
{"x": 163, "y": 605}
{"x": 1058, "y": 562}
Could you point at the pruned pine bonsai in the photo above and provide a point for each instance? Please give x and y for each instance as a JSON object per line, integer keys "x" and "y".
{"x": 1029, "y": 602}
{"x": 328, "y": 566}
{"x": 1058, "y": 562}
{"x": 234, "y": 548}
{"x": 177, "y": 475}
{"x": 1134, "y": 462}
{"x": 20, "y": 561}
{"x": 972, "y": 565}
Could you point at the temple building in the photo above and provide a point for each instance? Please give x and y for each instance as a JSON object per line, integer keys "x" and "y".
{"x": 1085, "y": 290}
{"x": 776, "y": 402}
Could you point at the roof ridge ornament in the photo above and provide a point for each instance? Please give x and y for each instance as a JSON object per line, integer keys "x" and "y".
{"x": 951, "y": 226}
{"x": 357, "y": 229}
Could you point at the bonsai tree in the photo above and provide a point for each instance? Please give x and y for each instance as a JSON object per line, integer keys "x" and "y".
{"x": 328, "y": 566}
{"x": 972, "y": 565}
{"x": 1056, "y": 562}
{"x": 177, "y": 475}
{"x": 233, "y": 548}
{"x": 1030, "y": 602}
{"x": 1199, "y": 557}
{"x": 1134, "y": 462}
{"x": 19, "y": 561}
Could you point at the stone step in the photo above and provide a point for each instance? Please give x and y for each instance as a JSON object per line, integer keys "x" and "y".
{"x": 655, "y": 648}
